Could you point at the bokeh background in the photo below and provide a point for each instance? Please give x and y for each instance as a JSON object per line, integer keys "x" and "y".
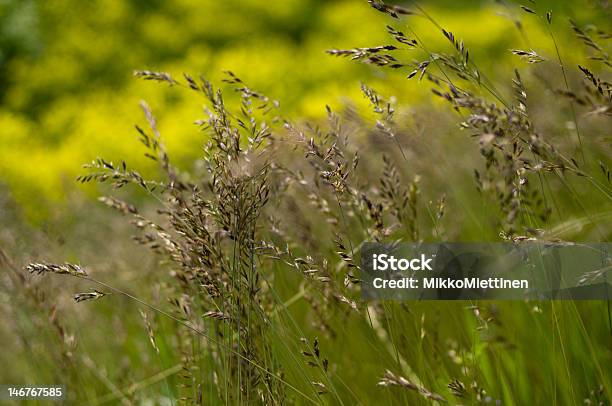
{"x": 68, "y": 95}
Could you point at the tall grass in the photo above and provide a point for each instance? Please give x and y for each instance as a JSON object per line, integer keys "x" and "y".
{"x": 257, "y": 297}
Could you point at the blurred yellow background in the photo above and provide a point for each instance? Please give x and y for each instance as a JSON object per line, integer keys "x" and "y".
{"x": 67, "y": 93}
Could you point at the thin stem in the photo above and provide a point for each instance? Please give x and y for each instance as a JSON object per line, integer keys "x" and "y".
{"x": 197, "y": 331}
{"x": 567, "y": 88}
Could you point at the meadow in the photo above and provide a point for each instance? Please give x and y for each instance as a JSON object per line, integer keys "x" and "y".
{"x": 183, "y": 217}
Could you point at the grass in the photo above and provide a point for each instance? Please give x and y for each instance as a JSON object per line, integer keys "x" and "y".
{"x": 255, "y": 295}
